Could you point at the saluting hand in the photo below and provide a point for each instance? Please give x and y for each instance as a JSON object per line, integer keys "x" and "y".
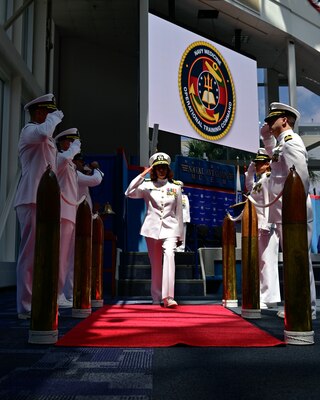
{"x": 265, "y": 131}
{"x": 147, "y": 170}
{"x": 58, "y": 113}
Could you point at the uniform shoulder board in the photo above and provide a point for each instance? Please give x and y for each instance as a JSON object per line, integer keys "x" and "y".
{"x": 147, "y": 180}
{"x": 287, "y": 138}
{"x": 176, "y": 182}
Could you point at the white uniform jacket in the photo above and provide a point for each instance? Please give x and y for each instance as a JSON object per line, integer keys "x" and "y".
{"x": 68, "y": 181}
{"x": 86, "y": 181}
{"x": 290, "y": 150}
{"x": 164, "y": 207}
{"x": 36, "y": 150}
{"x": 259, "y": 190}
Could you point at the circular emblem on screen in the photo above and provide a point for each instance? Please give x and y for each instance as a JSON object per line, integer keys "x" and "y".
{"x": 315, "y": 4}
{"x": 206, "y": 90}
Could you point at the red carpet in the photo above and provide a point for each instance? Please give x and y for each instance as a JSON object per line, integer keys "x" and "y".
{"x": 155, "y": 326}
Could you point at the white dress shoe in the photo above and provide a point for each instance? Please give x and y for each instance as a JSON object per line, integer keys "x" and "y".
{"x": 272, "y": 305}
{"x": 169, "y": 302}
{"x": 25, "y": 315}
{"x": 63, "y": 302}
{"x": 280, "y": 314}
{"x": 265, "y": 306}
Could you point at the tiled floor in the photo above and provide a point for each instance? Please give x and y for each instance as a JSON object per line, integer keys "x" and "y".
{"x": 48, "y": 372}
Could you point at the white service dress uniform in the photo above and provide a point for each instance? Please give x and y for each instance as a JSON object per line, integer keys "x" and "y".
{"x": 68, "y": 181}
{"x": 288, "y": 151}
{"x": 162, "y": 227}
{"x": 268, "y": 240}
{"x": 86, "y": 181}
{"x": 36, "y": 150}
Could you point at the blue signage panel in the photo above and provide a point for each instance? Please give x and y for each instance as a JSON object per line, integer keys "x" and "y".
{"x": 208, "y": 206}
{"x": 205, "y": 173}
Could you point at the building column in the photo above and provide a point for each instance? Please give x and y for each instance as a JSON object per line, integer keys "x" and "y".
{"x": 10, "y": 163}
{"x": 144, "y": 86}
{"x": 272, "y": 88}
{"x": 39, "y": 43}
{"x": 292, "y": 74}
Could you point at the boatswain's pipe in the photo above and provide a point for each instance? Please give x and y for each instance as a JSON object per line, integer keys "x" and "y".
{"x": 44, "y": 309}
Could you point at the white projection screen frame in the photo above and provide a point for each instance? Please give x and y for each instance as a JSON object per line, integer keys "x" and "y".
{"x": 168, "y": 44}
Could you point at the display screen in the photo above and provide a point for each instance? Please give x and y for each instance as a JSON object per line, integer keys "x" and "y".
{"x": 200, "y": 89}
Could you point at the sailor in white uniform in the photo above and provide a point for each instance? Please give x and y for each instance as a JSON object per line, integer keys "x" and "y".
{"x": 88, "y": 176}
{"x": 257, "y": 183}
{"x": 286, "y": 149}
{"x": 37, "y": 151}
{"x": 68, "y": 143}
{"x": 163, "y": 224}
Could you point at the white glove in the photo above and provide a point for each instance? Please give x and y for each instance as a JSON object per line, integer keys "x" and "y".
{"x": 249, "y": 176}
{"x": 58, "y": 113}
{"x": 76, "y": 146}
{"x": 252, "y": 168}
{"x": 265, "y": 132}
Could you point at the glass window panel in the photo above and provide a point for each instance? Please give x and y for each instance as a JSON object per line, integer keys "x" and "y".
{"x": 27, "y": 36}
{"x": 1, "y": 118}
{"x": 3, "y": 11}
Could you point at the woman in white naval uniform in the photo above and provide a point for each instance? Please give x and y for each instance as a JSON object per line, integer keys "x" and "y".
{"x": 286, "y": 149}
{"x": 69, "y": 145}
{"x": 163, "y": 224}
{"x": 37, "y": 150}
{"x": 257, "y": 183}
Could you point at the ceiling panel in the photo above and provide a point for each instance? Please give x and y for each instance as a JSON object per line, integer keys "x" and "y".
{"x": 115, "y": 22}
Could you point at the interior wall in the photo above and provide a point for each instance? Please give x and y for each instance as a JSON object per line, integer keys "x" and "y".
{"x": 98, "y": 93}
{"x": 169, "y": 143}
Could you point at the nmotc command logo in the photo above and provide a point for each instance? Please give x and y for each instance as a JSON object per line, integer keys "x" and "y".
{"x": 206, "y": 90}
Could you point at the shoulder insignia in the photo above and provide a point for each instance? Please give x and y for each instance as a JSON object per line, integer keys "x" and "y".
{"x": 147, "y": 180}
{"x": 176, "y": 182}
{"x": 257, "y": 188}
{"x": 287, "y": 138}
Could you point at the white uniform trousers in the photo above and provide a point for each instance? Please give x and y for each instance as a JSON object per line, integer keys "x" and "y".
{"x": 67, "y": 232}
{"x": 26, "y": 214}
{"x": 311, "y": 275}
{"x": 161, "y": 253}
{"x": 269, "y": 271}
{"x": 68, "y": 286}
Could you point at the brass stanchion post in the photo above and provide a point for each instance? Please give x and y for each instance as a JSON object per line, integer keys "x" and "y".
{"x": 82, "y": 262}
{"x": 229, "y": 264}
{"x": 97, "y": 262}
{"x": 44, "y": 309}
{"x": 250, "y": 263}
{"x": 297, "y": 303}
